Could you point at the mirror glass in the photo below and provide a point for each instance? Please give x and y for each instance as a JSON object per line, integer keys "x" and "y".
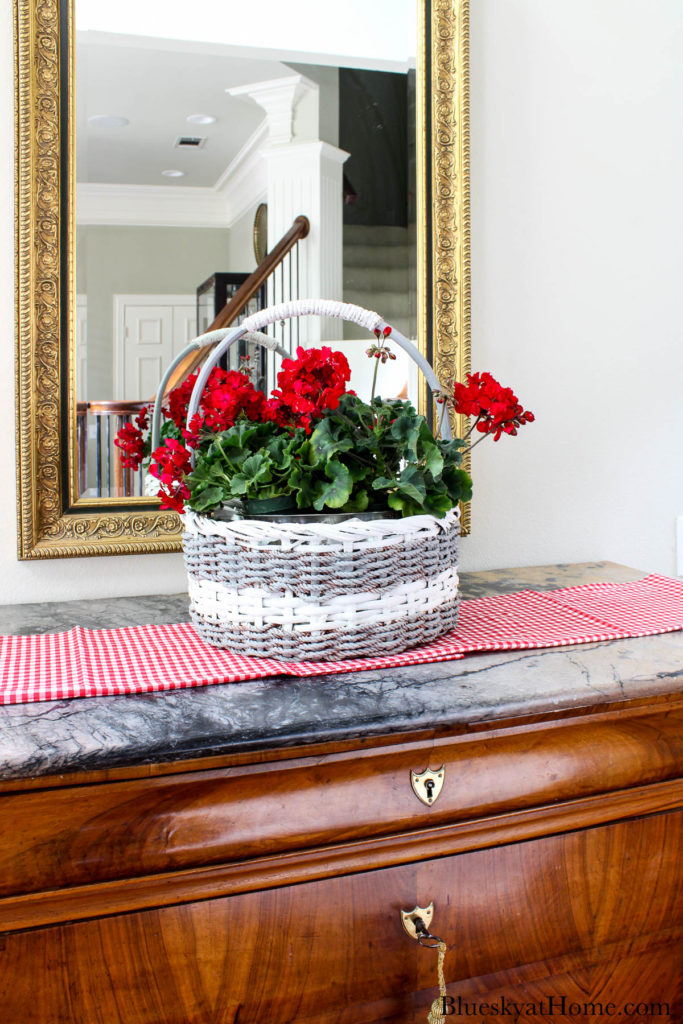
{"x": 203, "y": 130}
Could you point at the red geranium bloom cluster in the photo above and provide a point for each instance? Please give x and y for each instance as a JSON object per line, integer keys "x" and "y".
{"x": 307, "y": 386}
{"x": 179, "y": 400}
{"x": 170, "y": 464}
{"x": 227, "y": 396}
{"x": 496, "y": 408}
{"x": 131, "y": 441}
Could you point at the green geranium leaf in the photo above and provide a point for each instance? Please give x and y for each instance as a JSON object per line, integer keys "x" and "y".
{"x": 169, "y": 429}
{"x": 358, "y": 470}
{"x": 458, "y": 484}
{"x": 358, "y": 502}
{"x": 256, "y": 469}
{"x": 328, "y": 438}
{"x": 207, "y": 498}
{"x": 432, "y": 458}
{"x": 406, "y": 429}
{"x": 381, "y": 483}
{"x": 438, "y": 503}
{"x": 306, "y": 455}
{"x": 239, "y": 485}
{"x": 452, "y": 450}
{"x": 411, "y": 483}
{"x": 403, "y": 504}
{"x": 302, "y": 484}
{"x": 336, "y": 492}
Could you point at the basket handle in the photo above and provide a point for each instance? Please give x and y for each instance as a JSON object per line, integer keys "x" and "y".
{"x": 212, "y": 337}
{"x": 285, "y": 311}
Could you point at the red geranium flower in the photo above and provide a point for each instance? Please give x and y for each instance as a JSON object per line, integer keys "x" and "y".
{"x": 496, "y": 408}
{"x": 179, "y": 400}
{"x": 131, "y": 442}
{"x": 229, "y": 395}
{"x": 308, "y": 385}
{"x": 170, "y": 465}
{"x": 174, "y": 500}
{"x": 142, "y": 418}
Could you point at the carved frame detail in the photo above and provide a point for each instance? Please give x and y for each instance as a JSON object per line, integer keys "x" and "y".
{"x": 446, "y": 246}
{"x": 49, "y": 524}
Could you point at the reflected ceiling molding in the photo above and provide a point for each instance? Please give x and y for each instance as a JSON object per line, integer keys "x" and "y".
{"x": 242, "y": 185}
{"x": 149, "y": 206}
{"x": 279, "y": 98}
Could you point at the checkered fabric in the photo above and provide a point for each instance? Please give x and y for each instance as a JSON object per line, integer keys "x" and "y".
{"x": 139, "y": 659}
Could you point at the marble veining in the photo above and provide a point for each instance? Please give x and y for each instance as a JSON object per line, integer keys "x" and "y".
{"x": 90, "y": 733}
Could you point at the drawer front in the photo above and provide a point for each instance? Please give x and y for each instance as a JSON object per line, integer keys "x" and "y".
{"x": 100, "y": 832}
{"x": 547, "y": 916}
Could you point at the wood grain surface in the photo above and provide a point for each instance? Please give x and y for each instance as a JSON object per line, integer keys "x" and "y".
{"x": 103, "y": 832}
{"x": 587, "y": 914}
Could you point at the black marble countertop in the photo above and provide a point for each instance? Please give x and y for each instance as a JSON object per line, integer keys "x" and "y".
{"x": 58, "y": 737}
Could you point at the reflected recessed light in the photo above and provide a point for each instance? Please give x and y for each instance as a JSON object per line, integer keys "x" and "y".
{"x": 201, "y": 119}
{"x": 173, "y": 174}
{"x": 108, "y": 121}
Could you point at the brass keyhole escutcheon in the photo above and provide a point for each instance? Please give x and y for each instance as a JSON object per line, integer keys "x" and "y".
{"x": 417, "y": 921}
{"x": 427, "y": 784}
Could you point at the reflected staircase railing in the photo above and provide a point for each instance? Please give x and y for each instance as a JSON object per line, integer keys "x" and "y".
{"x": 280, "y": 270}
{"x": 278, "y": 259}
{"x": 111, "y": 478}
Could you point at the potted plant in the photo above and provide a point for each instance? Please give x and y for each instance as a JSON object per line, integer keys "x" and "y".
{"x": 251, "y": 472}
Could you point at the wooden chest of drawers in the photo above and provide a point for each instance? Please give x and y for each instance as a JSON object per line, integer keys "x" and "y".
{"x": 266, "y": 884}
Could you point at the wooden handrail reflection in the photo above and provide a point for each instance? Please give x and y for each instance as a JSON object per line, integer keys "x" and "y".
{"x": 242, "y": 297}
{"x": 114, "y": 407}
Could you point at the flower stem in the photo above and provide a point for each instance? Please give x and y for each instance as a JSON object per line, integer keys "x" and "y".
{"x": 478, "y": 441}
{"x": 466, "y": 435}
{"x": 374, "y": 381}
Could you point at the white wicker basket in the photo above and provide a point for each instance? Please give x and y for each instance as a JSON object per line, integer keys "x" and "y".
{"x": 319, "y": 591}
{"x": 322, "y": 591}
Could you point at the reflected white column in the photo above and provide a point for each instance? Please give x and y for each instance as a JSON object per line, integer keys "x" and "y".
{"x": 305, "y": 176}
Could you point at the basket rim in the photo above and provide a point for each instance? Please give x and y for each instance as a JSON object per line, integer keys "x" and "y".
{"x": 258, "y": 532}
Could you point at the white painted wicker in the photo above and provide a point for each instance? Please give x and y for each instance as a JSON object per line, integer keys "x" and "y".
{"x": 322, "y": 591}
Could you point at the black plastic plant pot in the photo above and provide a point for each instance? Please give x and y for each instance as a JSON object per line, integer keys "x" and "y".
{"x": 270, "y": 506}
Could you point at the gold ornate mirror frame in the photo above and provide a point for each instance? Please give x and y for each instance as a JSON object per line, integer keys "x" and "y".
{"x": 52, "y": 521}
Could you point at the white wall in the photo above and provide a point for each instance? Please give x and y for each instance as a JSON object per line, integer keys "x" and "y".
{"x": 117, "y": 259}
{"x": 577, "y": 161}
{"x": 577, "y": 227}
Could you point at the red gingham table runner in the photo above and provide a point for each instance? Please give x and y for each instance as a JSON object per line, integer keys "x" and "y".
{"x": 139, "y": 659}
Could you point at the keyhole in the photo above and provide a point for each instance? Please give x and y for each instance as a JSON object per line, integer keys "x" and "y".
{"x": 429, "y": 786}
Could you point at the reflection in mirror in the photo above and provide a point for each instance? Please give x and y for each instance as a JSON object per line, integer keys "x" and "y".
{"x": 182, "y": 138}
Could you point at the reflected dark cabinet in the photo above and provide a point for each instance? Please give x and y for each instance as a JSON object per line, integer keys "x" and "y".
{"x": 215, "y": 293}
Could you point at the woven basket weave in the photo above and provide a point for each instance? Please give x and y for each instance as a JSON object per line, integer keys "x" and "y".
{"x": 320, "y": 591}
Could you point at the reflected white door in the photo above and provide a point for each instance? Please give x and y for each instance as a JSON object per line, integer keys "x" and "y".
{"x": 149, "y": 330}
